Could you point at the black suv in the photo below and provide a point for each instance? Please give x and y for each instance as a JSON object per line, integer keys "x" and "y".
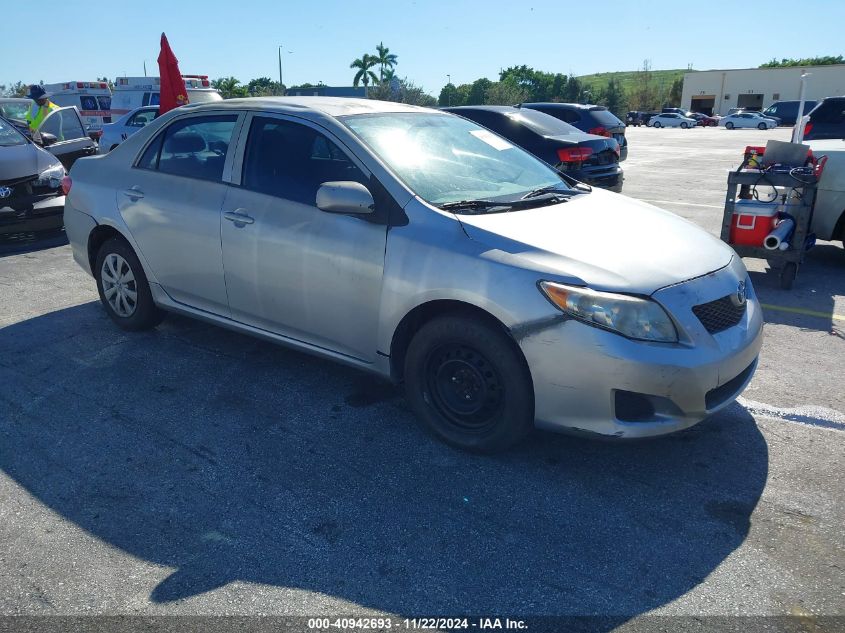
{"x": 827, "y": 120}
{"x": 586, "y": 157}
{"x": 592, "y": 119}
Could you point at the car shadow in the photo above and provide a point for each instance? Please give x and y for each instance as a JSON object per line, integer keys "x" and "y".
{"x": 810, "y": 304}
{"x": 22, "y": 242}
{"x": 229, "y": 459}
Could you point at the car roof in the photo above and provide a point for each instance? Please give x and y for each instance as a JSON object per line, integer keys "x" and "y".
{"x": 329, "y": 106}
{"x": 578, "y": 106}
{"x": 486, "y": 108}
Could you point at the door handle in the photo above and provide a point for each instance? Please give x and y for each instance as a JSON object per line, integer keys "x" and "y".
{"x": 134, "y": 192}
{"x": 238, "y": 217}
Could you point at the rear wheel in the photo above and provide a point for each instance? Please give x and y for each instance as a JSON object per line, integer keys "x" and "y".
{"x": 468, "y": 384}
{"x": 729, "y": 125}
{"x": 761, "y": 126}
{"x": 123, "y": 287}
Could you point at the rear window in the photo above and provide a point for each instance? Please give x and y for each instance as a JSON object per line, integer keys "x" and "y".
{"x": 605, "y": 118}
{"x": 542, "y": 123}
{"x": 88, "y": 102}
{"x": 830, "y": 111}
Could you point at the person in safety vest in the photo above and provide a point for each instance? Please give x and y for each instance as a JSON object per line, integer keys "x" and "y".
{"x": 40, "y": 109}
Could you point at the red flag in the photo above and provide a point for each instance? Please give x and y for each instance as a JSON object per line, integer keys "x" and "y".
{"x": 173, "y": 92}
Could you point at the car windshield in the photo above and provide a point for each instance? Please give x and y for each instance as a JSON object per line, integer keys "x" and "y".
{"x": 9, "y": 136}
{"x": 14, "y": 110}
{"x": 446, "y": 159}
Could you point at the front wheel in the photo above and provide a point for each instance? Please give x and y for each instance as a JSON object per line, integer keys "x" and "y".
{"x": 761, "y": 126}
{"x": 469, "y": 385}
{"x": 729, "y": 125}
{"x": 656, "y": 124}
{"x": 123, "y": 287}
{"x": 684, "y": 125}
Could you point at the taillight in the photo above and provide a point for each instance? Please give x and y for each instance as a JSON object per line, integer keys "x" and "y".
{"x": 574, "y": 154}
{"x": 599, "y": 131}
{"x": 807, "y": 128}
{"x": 67, "y": 183}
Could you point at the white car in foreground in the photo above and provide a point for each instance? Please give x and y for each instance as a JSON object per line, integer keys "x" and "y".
{"x": 115, "y": 133}
{"x": 671, "y": 119}
{"x": 747, "y": 120}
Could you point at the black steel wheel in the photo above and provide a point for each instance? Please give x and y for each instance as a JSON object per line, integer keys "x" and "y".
{"x": 469, "y": 385}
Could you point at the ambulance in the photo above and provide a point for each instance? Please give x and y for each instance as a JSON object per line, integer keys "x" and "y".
{"x": 91, "y": 98}
{"x": 135, "y": 92}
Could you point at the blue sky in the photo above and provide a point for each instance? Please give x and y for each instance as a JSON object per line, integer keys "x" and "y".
{"x": 433, "y": 38}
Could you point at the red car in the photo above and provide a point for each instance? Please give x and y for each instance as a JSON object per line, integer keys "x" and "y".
{"x": 703, "y": 119}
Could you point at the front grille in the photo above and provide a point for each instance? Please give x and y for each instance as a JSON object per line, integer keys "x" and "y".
{"x": 719, "y": 315}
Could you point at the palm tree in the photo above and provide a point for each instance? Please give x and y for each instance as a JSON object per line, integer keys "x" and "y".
{"x": 364, "y": 74}
{"x": 385, "y": 59}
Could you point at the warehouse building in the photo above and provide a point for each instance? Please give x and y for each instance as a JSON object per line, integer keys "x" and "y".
{"x": 717, "y": 91}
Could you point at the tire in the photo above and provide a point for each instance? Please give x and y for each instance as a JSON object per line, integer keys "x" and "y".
{"x": 455, "y": 358}
{"x": 762, "y": 126}
{"x": 657, "y": 124}
{"x": 729, "y": 125}
{"x": 128, "y": 300}
{"x": 684, "y": 125}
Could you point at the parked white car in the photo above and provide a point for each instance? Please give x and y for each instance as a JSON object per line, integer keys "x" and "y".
{"x": 115, "y": 133}
{"x": 829, "y": 211}
{"x": 671, "y": 119}
{"x": 747, "y": 120}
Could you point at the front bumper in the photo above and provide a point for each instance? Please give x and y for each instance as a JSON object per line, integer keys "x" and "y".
{"x": 593, "y": 381}
{"x": 31, "y": 214}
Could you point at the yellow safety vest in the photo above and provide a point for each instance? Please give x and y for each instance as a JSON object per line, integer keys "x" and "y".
{"x": 38, "y": 113}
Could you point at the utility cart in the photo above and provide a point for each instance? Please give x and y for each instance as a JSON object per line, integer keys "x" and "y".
{"x": 801, "y": 189}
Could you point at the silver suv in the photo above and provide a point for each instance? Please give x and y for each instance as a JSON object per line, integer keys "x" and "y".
{"x": 419, "y": 246}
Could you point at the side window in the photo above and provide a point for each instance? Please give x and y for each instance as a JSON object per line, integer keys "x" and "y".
{"x": 64, "y": 125}
{"x": 193, "y": 148}
{"x": 291, "y": 161}
{"x": 140, "y": 119}
{"x": 830, "y": 111}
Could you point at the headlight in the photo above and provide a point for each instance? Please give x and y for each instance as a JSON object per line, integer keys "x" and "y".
{"x": 633, "y": 317}
{"x": 51, "y": 177}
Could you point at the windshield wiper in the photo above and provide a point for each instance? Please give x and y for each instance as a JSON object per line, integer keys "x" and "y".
{"x": 551, "y": 189}
{"x": 473, "y": 205}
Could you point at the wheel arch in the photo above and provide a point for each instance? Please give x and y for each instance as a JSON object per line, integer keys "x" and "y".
{"x": 97, "y": 237}
{"x": 411, "y": 323}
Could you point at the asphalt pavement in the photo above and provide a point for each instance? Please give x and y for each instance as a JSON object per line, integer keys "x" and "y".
{"x": 193, "y": 471}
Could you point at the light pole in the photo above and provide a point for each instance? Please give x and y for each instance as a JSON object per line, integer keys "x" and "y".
{"x": 281, "y": 84}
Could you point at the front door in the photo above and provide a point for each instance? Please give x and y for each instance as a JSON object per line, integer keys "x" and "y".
{"x": 71, "y": 141}
{"x": 171, "y": 201}
{"x": 290, "y": 267}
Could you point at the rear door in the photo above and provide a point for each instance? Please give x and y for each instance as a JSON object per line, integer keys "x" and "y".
{"x": 71, "y": 142}
{"x": 171, "y": 199}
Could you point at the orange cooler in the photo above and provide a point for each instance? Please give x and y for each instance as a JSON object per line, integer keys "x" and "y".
{"x": 752, "y": 221}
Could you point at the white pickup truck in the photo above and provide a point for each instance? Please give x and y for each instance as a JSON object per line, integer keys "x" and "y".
{"x": 829, "y": 214}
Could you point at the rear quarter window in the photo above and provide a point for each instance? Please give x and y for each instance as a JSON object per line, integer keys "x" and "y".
{"x": 606, "y": 118}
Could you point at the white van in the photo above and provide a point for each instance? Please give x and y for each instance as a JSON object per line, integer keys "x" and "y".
{"x": 135, "y": 92}
{"x": 91, "y": 98}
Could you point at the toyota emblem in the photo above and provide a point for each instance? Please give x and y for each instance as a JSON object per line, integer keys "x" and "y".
{"x": 741, "y": 294}
{"x": 5, "y": 192}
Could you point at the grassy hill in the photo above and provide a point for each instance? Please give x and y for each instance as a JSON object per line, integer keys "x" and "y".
{"x": 662, "y": 78}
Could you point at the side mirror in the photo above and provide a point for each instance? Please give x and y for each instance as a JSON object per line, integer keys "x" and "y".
{"x": 47, "y": 139}
{"x": 345, "y": 196}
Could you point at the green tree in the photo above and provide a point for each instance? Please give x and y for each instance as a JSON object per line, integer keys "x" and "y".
{"x": 675, "y": 92}
{"x": 827, "y": 60}
{"x": 452, "y": 95}
{"x": 478, "y": 91}
{"x": 408, "y": 93}
{"x": 264, "y": 87}
{"x": 573, "y": 90}
{"x": 506, "y": 93}
{"x": 364, "y": 65}
{"x": 229, "y": 87}
{"x": 645, "y": 93}
{"x": 613, "y": 97}
{"x": 386, "y": 61}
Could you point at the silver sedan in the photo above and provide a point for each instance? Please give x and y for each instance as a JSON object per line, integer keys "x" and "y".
{"x": 423, "y": 248}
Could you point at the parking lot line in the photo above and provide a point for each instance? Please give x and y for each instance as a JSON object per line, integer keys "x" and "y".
{"x": 815, "y": 313}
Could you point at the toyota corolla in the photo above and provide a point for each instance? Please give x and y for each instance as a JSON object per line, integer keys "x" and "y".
{"x": 415, "y": 244}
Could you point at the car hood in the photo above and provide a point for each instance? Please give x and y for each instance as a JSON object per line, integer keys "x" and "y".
{"x": 604, "y": 240}
{"x": 20, "y": 161}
